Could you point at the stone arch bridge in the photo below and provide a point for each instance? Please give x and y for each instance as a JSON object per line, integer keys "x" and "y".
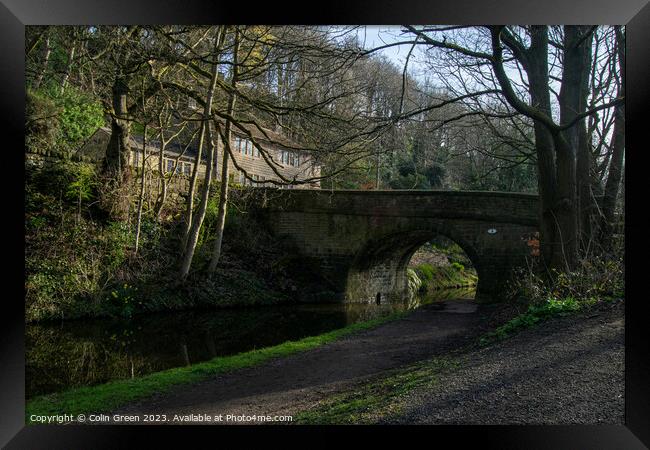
{"x": 361, "y": 241}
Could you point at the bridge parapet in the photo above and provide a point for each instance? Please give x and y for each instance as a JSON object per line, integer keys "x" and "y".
{"x": 477, "y": 205}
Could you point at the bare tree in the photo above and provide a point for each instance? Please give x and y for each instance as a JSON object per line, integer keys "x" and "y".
{"x": 226, "y": 138}
{"x": 556, "y": 140}
{"x": 197, "y": 220}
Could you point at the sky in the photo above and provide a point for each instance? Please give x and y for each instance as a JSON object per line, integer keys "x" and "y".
{"x": 378, "y": 35}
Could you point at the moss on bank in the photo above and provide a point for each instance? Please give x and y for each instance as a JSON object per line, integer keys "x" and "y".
{"x": 536, "y": 314}
{"x": 110, "y": 396}
{"x": 377, "y": 397}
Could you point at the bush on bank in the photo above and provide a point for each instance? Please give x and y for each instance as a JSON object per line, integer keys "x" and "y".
{"x": 80, "y": 264}
{"x": 598, "y": 278}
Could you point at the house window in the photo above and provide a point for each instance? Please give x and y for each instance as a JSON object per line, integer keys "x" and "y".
{"x": 244, "y": 146}
{"x": 191, "y": 103}
{"x": 170, "y": 165}
{"x": 136, "y": 158}
{"x": 187, "y": 169}
{"x": 257, "y": 152}
{"x": 289, "y": 158}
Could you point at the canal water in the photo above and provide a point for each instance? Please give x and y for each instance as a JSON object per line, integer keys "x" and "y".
{"x": 88, "y": 352}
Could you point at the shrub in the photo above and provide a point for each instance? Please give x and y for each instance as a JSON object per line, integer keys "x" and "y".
{"x": 458, "y": 266}
{"x": 41, "y": 122}
{"x": 596, "y": 277}
{"x": 80, "y": 115}
{"x": 58, "y": 122}
{"x": 425, "y": 271}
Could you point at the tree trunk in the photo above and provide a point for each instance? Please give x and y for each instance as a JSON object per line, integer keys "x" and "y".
{"x": 565, "y": 208}
{"x": 162, "y": 195}
{"x": 189, "y": 205}
{"x": 197, "y": 220}
{"x": 118, "y": 153}
{"x": 544, "y": 145}
{"x": 574, "y": 72}
{"x": 615, "y": 172}
{"x": 46, "y": 61}
{"x": 68, "y": 67}
{"x": 223, "y": 195}
{"x": 585, "y": 162}
{"x": 142, "y": 190}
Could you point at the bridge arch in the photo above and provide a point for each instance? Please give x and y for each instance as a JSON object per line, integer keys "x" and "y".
{"x": 362, "y": 241}
{"x": 379, "y": 268}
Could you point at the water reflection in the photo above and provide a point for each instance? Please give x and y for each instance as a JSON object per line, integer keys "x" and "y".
{"x": 88, "y": 352}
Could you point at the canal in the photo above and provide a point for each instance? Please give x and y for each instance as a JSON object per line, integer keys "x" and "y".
{"x": 76, "y": 353}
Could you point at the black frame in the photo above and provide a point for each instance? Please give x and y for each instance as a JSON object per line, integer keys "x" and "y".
{"x": 15, "y": 14}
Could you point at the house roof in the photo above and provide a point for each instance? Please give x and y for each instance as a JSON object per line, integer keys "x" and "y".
{"x": 174, "y": 147}
{"x": 265, "y": 135}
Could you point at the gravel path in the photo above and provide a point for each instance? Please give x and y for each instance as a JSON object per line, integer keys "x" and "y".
{"x": 565, "y": 371}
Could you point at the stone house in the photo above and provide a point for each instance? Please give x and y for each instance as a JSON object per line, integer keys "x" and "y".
{"x": 179, "y": 157}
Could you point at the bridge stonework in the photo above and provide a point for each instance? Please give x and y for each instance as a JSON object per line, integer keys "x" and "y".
{"x": 361, "y": 241}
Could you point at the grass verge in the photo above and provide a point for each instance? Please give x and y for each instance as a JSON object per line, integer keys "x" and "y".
{"x": 378, "y": 397}
{"x": 538, "y": 313}
{"x": 112, "y": 395}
